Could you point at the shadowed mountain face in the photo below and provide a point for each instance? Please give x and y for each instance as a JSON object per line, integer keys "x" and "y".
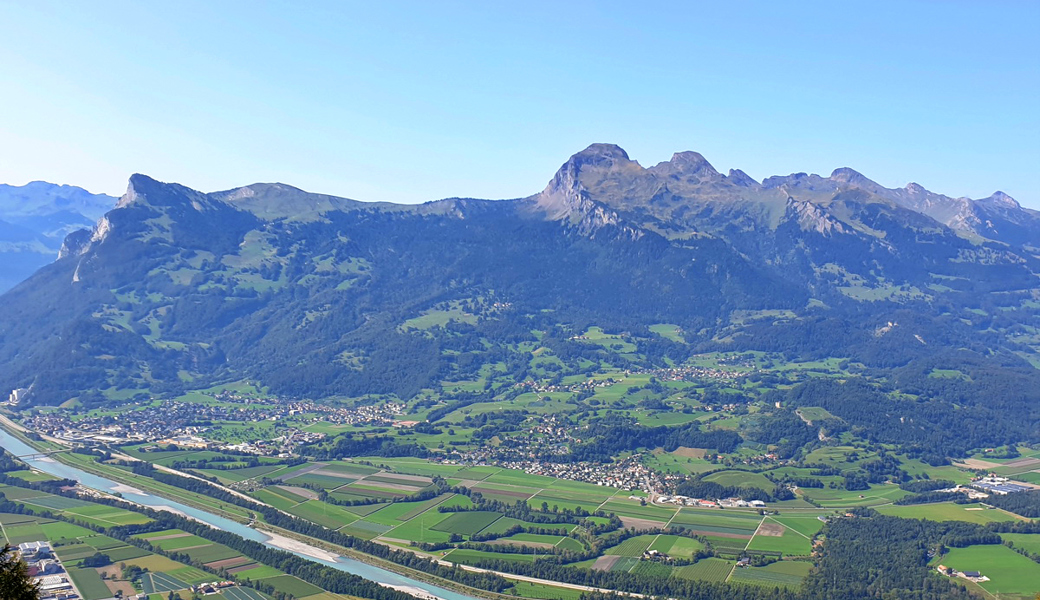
{"x": 35, "y": 218}
{"x": 318, "y": 296}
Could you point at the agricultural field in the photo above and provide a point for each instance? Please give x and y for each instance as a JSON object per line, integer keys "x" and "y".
{"x": 1011, "y": 574}
{"x": 947, "y": 511}
{"x": 773, "y": 537}
{"x": 789, "y": 574}
{"x": 709, "y": 569}
{"x": 73, "y": 543}
{"x": 1030, "y": 542}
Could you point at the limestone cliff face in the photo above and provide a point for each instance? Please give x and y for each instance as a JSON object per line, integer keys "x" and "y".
{"x": 566, "y": 198}
{"x": 811, "y": 217}
{"x": 75, "y": 244}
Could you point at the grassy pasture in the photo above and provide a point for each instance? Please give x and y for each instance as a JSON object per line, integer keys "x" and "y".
{"x": 741, "y": 479}
{"x": 1030, "y": 542}
{"x": 1009, "y": 571}
{"x": 677, "y": 546}
{"x": 790, "y": 543}
{"x": 947, "y": 511}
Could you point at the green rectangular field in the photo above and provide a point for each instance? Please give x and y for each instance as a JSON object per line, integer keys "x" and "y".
{"x": 57, "y": 531}
{"x": 789, "y": 543}
{"x": 212, "y": 553}
{"x": 511, "y": 477}
{"x": 807, "y": 525}
{"x": 634, "y": 509}
{"x": 366, "y": 529}
{"x": 323, "y": 513}
{"x": 841, "y": 498}
{"x": 24, "y": 532}
{"x": 741, "y": 479}
{"x": 679, "y": 547}
{"x": 653, "y": 569}
{"x": 1030, "y": 542}
{"x": 545, "y": 592}
{"x": 371, "y": 491}
{"x": 258, "y": 572}
{"x": 411, "y": 483}
{"x": 947, "y": 511}
{"x": 420, "y": 507}
{"x": 89, "y": 583}
{"x": 708, "y": 569}
{"x": 32, "y": 476}
{"x": 241, "y": 593}
{"x": 362, "y": 510}
{"x": 155, "y": 534}
{"x": 467, "y": 523}
{"x": 420, "y": 467}
{"x": 58, "y": 502}
{"x": 325, "y": 481}
{"x": 126, "y": 553}
{"x": 180, "y": 542}
{"x": 351, "y": 469}
{"x": 267, "y": 496}
{"x": 476, "y": 473}
{"x": 191, "y": 575}
{"x": 398, "y": 512}
{"x": 421, "y": 528}
{"x": 469, "y": 557}
{"x": 293, "y": 585}
{"x": 74, "y": 552}
{"x": 783, "y": 574}
{"x": 17, "y": 493}
{"x": 634, "y": 546}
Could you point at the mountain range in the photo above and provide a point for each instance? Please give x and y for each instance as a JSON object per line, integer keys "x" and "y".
{"x": 316, "y": 296}
{"x": 34, "y": 220}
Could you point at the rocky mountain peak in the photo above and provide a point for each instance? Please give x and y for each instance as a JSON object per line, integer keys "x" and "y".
{"x": 1002, "y": 200}
{"x": 851, "y": 177}
{"x": 600, "y": 156}
{"x": 738, "y": 177}
{"x": 688, "y": 165}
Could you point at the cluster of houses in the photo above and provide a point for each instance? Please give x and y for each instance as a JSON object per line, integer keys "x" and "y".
{"x": 46, "y": 569}
{"x": 688, "y": 373}
{"x": 627, "y": 474}
{"x": 588, "y": 384}
{"x": 185, "y": 423}
{"x": 702, "y": 503}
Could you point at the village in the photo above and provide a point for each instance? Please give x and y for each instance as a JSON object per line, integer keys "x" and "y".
{"x": 185, "y": 423}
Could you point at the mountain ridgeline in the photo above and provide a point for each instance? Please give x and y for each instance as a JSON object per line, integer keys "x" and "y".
{"x": 35, "y": 218}
{"x": 318, "y": 296}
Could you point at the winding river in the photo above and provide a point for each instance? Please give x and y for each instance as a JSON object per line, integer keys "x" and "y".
{"x": 371, "y": 572}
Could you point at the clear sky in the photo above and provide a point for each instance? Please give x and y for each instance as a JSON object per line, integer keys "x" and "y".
{"x": 411, "y": 102}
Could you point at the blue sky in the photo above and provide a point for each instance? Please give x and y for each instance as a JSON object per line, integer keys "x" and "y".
{"x": 411, "y": 102}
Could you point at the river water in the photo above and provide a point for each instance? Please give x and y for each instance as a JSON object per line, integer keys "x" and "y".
{"x": 371, "y": 572}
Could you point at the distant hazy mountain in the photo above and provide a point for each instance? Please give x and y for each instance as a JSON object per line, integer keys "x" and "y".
{"x": 319, "y": 296}
{"x": 34, "y": 220}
